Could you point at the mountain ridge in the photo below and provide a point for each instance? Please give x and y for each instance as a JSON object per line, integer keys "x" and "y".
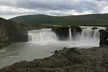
{"x": 89, "y": 19}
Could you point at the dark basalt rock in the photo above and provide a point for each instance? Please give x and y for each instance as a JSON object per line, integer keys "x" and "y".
{"x": 74, "y": 50}
{"x": 103, "y": 37}
{"x": 94, "y": 28}
{"x": 12, "y": 32}
{"x": 61, "y": 32}
{"x": 17, "y": 34}
{"x": 66, "y": 60}
{"x": 76, "y": 31}
{"x": 106, "y": 28}
{"x": 56, "y": 52}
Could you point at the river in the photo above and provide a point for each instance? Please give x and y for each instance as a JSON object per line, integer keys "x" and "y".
{"x": 42, "y": 43}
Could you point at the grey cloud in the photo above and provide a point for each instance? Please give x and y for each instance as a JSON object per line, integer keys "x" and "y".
{"x": 59, "y": 5}
{"x": 48, "y": 4}
{"x": 10, "y": 13}
{"x": 45, "y": 5}
{"x": 36, "y": 4}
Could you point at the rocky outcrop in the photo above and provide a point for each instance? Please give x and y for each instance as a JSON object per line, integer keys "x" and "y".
{"x": 12, "y": 32}
{"x": 106, "y": 28}
{"x": 76, "y": 31}
{"x": 103, "y": 37}
{"x": 66, "y": 60}
{"x": 94, "y": 28}
{"x": 62, "y": 32}
{"x": 17, "y": 34}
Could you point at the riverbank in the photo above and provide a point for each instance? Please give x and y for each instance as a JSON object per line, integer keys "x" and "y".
{"x": 66, "y": 60}
{"x": 4, "y": 44}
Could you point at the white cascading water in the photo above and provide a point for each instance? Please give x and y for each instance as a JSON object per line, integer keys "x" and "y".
{"x": 70, "y": 34}
{"x": 89, "y": 37}
{"x": 42, "y": 36}
{"x": 87, "y": 33}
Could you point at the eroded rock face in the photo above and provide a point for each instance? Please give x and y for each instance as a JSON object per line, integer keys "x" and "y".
{"x": 103, "y": 37}
{"x": 76, "y": 31}
{"x": 106, "y": 28}
{"x": 66, "y": 60}
{"x": 12, "y": 32}
{"x": 94, "y": 28}
{"x": 61, "y": 32}
{"x": 17, "y": 34}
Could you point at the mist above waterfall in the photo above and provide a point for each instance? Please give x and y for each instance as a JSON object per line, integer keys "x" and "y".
{"x": 88, "y": 38}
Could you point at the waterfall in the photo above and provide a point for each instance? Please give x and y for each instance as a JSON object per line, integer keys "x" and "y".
{"x": 90, "y": 33}
{"x": 88, "y": 37}
{"x": 48, "y": 35}
{"x": 42, "y": 35}
{"x": 70, "y": 34}
{"x": 96, "y": 34}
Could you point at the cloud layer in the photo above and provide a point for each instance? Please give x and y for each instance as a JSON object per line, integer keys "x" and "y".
{"x": 13, "y": 8}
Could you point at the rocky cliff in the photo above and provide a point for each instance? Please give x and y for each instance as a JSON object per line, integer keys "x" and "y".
{"x": 103, "y": 37}
{"x": 11, "y": 32}
{"x": 62, "y": 32}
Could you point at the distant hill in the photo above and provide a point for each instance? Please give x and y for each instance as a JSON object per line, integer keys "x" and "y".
{"x": 91, "y": 19}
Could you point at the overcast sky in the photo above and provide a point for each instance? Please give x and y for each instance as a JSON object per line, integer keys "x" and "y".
{"x": 12, "y": 8}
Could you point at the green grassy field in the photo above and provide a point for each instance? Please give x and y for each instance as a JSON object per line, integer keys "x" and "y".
{"x": 92, "y": 19}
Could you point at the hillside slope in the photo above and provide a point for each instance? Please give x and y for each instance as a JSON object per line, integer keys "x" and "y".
{"x": 11, "y": 32}
{"x": 92, "y": 19}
